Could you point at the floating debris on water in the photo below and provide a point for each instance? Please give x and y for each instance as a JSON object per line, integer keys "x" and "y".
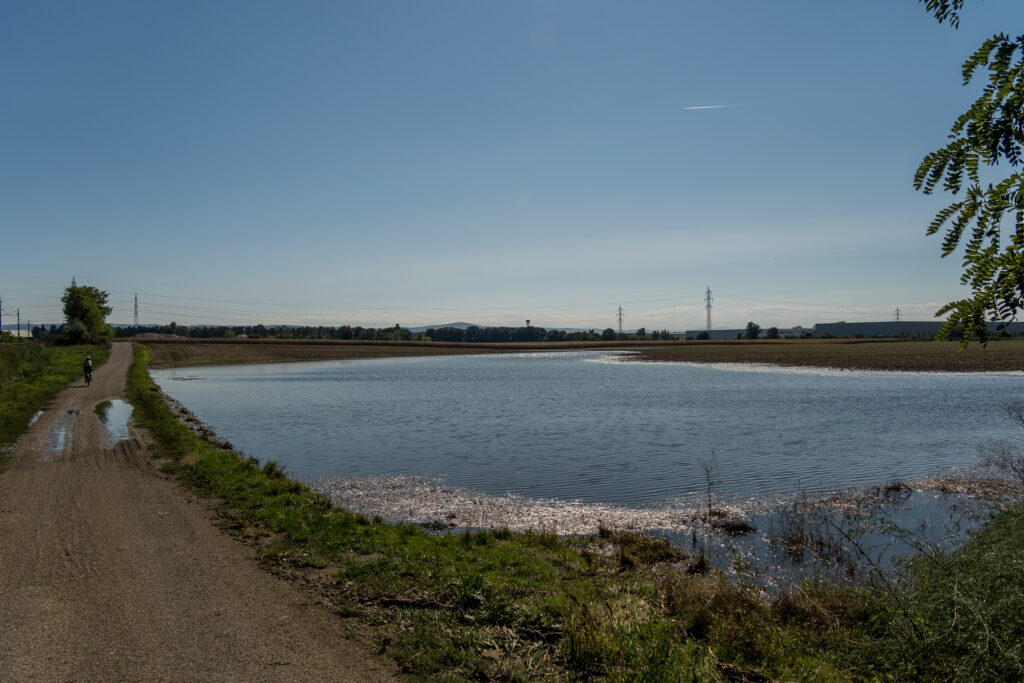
{"x": 428, "y": 501}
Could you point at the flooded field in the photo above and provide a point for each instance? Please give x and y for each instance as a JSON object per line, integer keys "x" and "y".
{"x": 573, "y": 442}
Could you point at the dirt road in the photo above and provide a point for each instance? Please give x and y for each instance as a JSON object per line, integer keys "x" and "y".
{"x": 110, "y": 571}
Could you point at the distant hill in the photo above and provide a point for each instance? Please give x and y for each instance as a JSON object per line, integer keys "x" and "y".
{"x": 24, "y": 325}
{"x": 461, "y": 326}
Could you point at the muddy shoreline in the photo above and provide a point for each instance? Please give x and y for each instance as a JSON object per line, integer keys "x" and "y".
{"x": 776, "y": 541}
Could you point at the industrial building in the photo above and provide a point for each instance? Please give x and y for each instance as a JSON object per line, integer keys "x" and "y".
{"x": 889, "y": 328}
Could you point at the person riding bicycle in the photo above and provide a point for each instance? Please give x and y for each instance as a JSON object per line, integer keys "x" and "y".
{"x": 87, "y": 368}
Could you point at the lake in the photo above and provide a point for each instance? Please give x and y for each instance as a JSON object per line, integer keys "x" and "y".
{"x": 588, "y": 428}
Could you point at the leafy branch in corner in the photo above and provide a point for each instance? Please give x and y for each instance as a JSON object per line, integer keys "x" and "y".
{"x": 987, "y": 219}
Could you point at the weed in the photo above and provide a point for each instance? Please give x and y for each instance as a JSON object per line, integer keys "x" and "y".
{"x": 273, "y": 470}
{"x": 709, "y": 471}
{"x": 639, "y": 550}
{"x": 804, "y": 531}
{"x": 734, "y": 527}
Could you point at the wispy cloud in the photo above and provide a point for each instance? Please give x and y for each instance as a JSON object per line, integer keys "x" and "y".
{"x": 714, "y": 106}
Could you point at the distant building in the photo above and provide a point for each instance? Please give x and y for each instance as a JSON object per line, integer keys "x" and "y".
{"x": 889, "y": 328}
{"x": 900, "y": 328}
{"x": 795, "y": 331}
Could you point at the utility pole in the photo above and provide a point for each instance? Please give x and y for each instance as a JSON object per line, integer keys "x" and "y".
{"x": 136, "y": 310}
{"x": 19, "y": 323}
{"x": 620, "y": 319}
{"x": 707, "y": 305}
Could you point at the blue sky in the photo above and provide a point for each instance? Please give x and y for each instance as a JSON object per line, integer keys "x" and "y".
{"x": 428, "y": 162}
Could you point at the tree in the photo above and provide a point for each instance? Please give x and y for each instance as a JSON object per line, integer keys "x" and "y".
{"x": 772, "y": 333}
{"x": 753, "y": 330}
{"x": 989, "y": 134}
{"x": 85, "y": 314}
{"x": 608, "y": 334}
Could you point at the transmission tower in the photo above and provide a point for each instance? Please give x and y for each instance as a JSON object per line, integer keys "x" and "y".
{"x": 707, "y": 305}
{"x": 136, "y": 310}
{"x": 897, "y": 316}
{"x": 620, "y": 319}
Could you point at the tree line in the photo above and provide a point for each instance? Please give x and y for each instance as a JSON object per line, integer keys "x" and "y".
{"x": 471, "y": 334}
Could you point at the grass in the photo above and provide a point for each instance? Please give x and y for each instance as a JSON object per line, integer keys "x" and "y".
{"x": 969, "y": 617}
{"x": 31, "y": 374}
{"x": 494, "y": 605}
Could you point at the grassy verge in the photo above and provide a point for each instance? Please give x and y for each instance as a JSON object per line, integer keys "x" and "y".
{"x": 493, "y": 605}
{"x": 31, "y": 374}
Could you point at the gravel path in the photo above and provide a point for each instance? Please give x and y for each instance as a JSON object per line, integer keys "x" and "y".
{"x": 110, "y": 571}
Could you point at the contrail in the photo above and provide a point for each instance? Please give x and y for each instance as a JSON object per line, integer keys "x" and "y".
{"x": 715, "y": 106}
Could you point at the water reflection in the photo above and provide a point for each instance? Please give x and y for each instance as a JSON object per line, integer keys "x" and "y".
{"x": 114, "y": 415}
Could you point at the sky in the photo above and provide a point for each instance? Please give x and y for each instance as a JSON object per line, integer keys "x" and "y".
{"x": 424, "y": 162}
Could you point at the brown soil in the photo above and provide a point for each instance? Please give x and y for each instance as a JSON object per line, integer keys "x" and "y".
{"x": 860, "y": 354}
{"x": 111, "y": 571}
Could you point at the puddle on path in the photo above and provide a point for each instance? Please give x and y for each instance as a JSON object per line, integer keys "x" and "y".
{"x": 63, "y": 431}
{"x": 114, "y": 415}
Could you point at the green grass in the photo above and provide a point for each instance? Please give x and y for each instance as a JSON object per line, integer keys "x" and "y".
{"x": 966, "y": 616}
{"x": 494, "y": 605}
{"x": 31, "y": 374}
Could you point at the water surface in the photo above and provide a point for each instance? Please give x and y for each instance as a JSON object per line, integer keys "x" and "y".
{"x": 562, "y": 426}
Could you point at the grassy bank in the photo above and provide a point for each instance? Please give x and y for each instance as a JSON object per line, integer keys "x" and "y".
{"x": 493, "y": 605}
{"x": 31, "y": 374}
